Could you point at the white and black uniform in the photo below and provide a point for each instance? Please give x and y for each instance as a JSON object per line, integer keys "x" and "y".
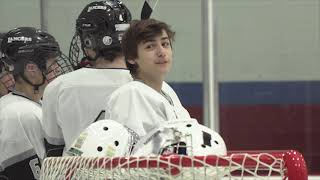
{"x": 75, "y": 100}
{"x": 21, "y": 137}
{"x": 141, "y": 108}
{"x": 8, "y": 99}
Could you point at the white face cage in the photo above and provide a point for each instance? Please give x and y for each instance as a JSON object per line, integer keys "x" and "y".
{"x": 186, "y": 137}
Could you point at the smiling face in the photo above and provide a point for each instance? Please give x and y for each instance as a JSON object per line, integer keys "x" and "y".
{"x": 147, "y": 49}
{"x": 154, "y": 57}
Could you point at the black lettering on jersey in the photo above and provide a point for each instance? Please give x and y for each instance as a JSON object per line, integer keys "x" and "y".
{"x": 100, "y": 116}
{"x": 53, "y": 150}
{"x": 26, "y": 169}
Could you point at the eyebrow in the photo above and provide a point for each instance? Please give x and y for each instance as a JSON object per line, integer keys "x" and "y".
{"x": 153, "y": 39}
{"x": 165, "y": 38}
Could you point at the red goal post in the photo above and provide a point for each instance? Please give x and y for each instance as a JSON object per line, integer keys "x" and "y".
{"x": 283, "y": 165}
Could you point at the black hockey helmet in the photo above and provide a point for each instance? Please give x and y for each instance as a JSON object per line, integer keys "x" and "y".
{"x": 100, "y": 27}
{"x": 27, "y": 44}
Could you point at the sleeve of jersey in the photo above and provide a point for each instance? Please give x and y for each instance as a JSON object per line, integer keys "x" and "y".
{"x": 133, "y": 109}
{"x": 18, "y": 157}
{"x": 54, "y": 142}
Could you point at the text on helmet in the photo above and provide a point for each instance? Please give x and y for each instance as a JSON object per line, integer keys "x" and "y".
{"x": 20, "y": 38}
{"x": 96, "y": 7}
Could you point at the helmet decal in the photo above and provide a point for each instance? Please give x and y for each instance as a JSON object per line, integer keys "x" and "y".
{"x": 107, "y": 40}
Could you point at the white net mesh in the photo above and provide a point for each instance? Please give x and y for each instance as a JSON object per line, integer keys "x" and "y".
{"x": 234, "y": 166}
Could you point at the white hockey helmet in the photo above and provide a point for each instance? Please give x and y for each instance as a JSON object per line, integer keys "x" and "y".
{"x": 186, "y": 137}
{"x": 104, "y": 138}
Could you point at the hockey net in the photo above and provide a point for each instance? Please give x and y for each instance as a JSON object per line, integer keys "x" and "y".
{"x": 282, "y": 165}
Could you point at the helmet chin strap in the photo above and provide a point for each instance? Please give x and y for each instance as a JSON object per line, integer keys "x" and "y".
{"x": 35, "y": 86}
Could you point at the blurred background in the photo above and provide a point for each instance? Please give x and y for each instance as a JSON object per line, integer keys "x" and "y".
{"x": 266, "y": 57}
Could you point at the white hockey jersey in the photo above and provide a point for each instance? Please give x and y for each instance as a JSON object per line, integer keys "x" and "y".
{"x": 8, "y": 99}
{"x": 21, "y": 135}
{"x": 141, "y": 108}
{"x": 75, "y": 100}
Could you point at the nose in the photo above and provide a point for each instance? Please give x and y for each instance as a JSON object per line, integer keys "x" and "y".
{"x": 161, "y": 51}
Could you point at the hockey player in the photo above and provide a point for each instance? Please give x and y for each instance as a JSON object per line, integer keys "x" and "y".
{"x": 148, "y": 101}
{"x": 31, "y": 56}
{"x": 75, "y": 100}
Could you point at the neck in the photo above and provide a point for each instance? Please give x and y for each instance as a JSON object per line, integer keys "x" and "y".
{"x": 154, "y": 83}
{"x": 29, "y": 91}
{"x": 118, "y": 62}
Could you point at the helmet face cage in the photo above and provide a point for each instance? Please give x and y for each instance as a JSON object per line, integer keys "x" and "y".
{"x": 60, "y": 66}
{"x": 74, "y": 52}
{"x": 23, "y": 45}
{"x": 185, "y": 137}
{"x": 100, "y": 27}
{"x": 177, "y": 145}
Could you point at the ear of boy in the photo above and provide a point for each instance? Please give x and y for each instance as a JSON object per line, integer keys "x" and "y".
{"x": 31, "y": 67}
